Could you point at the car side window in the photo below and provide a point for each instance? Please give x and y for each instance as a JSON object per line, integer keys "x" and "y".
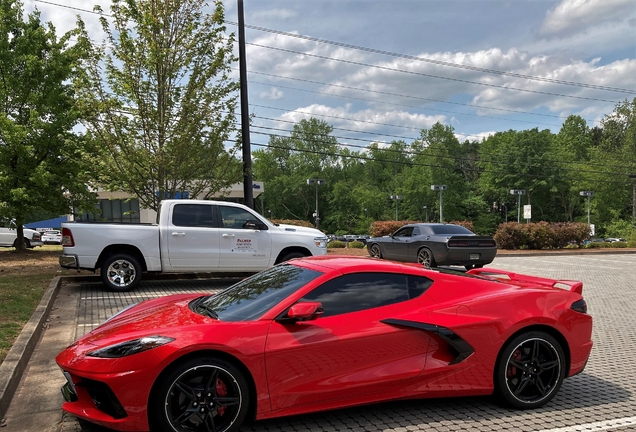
{"x": 193, "y": 215}
{"x": 404, "y": 232}
{"x": 234, "y": 217}
{"x": 417, "y": 285}
{"x": 416, "y": 231}
{"x": 359, "y": 291}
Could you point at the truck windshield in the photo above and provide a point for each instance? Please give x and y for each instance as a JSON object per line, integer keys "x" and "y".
{"x": 252, "y": 297}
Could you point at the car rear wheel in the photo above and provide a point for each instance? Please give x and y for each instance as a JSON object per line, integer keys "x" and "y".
{"x": 530, "y": 370}
{"x": 121, "y": 272}
{"x": 374, "y": 251}
{"x": 200, "y": 394}
{"x": 425, "y": 257}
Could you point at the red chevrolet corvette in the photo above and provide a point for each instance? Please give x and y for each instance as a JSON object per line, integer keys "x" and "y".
{"x": 327, "y": 332}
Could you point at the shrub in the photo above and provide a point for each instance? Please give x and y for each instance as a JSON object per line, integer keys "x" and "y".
{"x": 356, "y": 244}
{"x": 511, "y": 235}
{"x": 596, "y": 245}
{"x": 540, "y": 235}
{"x": 617, "y": 245}
{"x": 336, "y": 244}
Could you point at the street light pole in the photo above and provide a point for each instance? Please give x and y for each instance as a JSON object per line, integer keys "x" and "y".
{"x": 587, "y": 194}
{"x": 396, "y": 198}
{"x": 518, "y": 192}
{"x": 316, "y": 182}
{"x": 426, "y": 209}
{"x": 440, "y": 188}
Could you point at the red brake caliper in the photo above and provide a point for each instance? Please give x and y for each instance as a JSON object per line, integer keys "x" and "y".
{"x": 512, "y": 370}
{"x": 221, "y": 391}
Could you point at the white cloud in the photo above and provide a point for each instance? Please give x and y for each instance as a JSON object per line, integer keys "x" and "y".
{"x": 575, "y": 16}
{"x": 473, "y": 137}
{"x": 272, "y": 94}
{"x": 365, "y": 120}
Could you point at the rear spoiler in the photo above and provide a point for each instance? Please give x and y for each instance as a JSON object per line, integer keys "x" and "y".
{"x": 572, "y": 286}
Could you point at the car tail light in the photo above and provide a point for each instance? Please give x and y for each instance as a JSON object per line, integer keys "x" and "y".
{"x": 456, "y": 243}
{"x": 67, "y": 238}
{"x": 579, "y": 306}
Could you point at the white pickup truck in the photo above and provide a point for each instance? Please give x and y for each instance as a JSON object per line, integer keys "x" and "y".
{"x": 192, "y": 236}
{"x": 9, "y": 237}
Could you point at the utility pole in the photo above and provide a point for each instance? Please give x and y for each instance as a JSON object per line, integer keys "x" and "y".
{"x": 518, "y": 192}
{"x": 248, "y": 193}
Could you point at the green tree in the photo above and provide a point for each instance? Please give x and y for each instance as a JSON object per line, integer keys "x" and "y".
{"x": 162, "y": 102}
{"x": 41, "y": 159}
{"x": 311, "y": 151}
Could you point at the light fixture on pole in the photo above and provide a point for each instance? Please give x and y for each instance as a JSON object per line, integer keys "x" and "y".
{"x": 396, "y": 198}
{"x": 518, "y": 192}
{"x": 426, "y": 210}
{"x": 587, "y": 194}
{"x": 316, "y": 182}
{"x": 440, "y": 188}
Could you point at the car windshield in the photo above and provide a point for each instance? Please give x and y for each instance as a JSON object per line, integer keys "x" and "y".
{"x": 450, "y": 229}
{"x": 252, "y": 297}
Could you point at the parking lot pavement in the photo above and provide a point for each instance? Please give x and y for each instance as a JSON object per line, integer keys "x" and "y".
{"x": 602, "y": 398}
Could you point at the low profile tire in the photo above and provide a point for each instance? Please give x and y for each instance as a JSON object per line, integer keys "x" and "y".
{"x": 121, "y": 272}
{"x": 374, "y": 251}
{"x": 201, "y": 394}
{"x": 425, "y": 257}
{"x": 291, "y": 255}
{"x": 530, "y": 370}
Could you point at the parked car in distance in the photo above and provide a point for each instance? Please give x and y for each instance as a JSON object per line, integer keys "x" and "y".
{"x": 9, "y": 237}
{"x": 52, "y": 237}
{"x": 615, "y": 239}
{"x": 435, "y": 244}
{"x": 327, "y": 332}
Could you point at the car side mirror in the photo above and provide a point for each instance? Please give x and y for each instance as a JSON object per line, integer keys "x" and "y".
{"x": 254, "y": 224}
{"x": 305, "y": 311}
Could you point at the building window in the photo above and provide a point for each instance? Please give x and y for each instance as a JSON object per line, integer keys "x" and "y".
{"x": 116, "y": 210}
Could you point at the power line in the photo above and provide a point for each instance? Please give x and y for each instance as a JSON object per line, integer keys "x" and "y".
{"x": 404, "y": 96}
{"x": 440, "y": 62}
{"x": 368, "y": 158}
{"x": 434, "y": 154}
{"x": 430, "y": 75}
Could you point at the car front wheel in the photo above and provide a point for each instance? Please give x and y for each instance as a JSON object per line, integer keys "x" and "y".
{"x": 530, "y": 370}
{"x": 201, "y": 394}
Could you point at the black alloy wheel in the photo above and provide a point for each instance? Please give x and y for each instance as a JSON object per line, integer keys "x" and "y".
{"x": 530, "y": 370}
{"x": 375, "y": 251}
{"x": 425, "y": 257}
{"x": 200, "y": 395}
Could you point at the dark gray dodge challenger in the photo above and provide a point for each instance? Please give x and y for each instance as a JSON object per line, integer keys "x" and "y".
{"x": 434, "y": 244}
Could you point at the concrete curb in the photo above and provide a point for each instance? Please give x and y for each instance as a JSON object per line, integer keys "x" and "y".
{"x": 17, "y": 358}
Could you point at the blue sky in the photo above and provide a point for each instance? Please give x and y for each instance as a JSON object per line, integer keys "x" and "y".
{"x": 371, "y": 96}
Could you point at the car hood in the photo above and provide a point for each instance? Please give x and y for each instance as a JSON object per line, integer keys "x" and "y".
{"x": 158, "y": 316}
{"x": 302, "y": 230}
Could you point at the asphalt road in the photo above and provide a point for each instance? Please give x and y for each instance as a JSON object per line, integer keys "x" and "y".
{"x": 600, "y": 399}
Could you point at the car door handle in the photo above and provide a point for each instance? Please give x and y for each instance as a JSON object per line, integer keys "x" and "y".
{"x": 178, "y": 234}
{"x": 228, "y": 235}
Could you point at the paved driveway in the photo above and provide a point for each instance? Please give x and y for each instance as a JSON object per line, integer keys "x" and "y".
{"x": 602, "y": 398}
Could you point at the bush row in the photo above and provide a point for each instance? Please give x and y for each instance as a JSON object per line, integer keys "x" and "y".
{"x": 540, "y": 235}
{"x": 337, "y": 244}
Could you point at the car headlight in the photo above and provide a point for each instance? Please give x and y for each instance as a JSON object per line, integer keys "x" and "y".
{"x": 131, "y": 347}
{"x": 321, "y": 242}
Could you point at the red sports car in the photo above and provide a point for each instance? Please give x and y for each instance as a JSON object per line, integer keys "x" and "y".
{"x": 327, "y": 332}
